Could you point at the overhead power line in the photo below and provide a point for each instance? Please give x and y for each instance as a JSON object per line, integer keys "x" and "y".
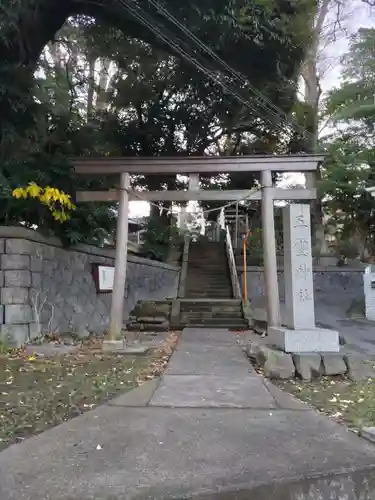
{"x": 236, "y": 74}
{"x": 261, "y": 100}
{"x": 152, "y": 24}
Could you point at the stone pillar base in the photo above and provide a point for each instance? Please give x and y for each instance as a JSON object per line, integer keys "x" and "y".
{"x": 304, "y": 340}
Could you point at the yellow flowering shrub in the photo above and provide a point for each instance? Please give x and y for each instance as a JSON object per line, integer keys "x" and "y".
{"x": 59, "y": 203}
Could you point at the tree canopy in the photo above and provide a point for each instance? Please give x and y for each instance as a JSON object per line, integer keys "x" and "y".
{"x": 350, "y": 165}
{"x": 81, "y": 78}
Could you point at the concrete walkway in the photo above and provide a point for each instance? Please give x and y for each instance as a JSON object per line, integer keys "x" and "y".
{"x": 210, "y": 425}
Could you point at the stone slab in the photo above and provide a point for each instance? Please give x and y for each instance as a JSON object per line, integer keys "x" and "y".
{"x": 50, "y": 350}
{"x": 358, "y": 369}
{"x": 14, "y": 262}
{"x": 212, "y": 391}
{"x": 159, "y": 454}
{"x": 284, "y": 400}
{"x": 152, "y": 319}
{"x": 136, "y": 350}
{"x": 368, "y": 433}
{"x": 204, "y": 359}
{"x": 14, "y": 295}
{"x": 18, "y": 246}
{"x": 17, "y": 278}
{"x": 208, "y": 335}
{"x": 14, "y": 335}
{"x": 18, "y": 314}
{"x": 120, "y": 347}
{"x": 275, "y": 363}
{"x": 140, "y": 396}
{"x": 113, "y": 345}
{"x": 333, "y": 364}
{"x": 296, "y": 341}
{"x": 308, "y": 366}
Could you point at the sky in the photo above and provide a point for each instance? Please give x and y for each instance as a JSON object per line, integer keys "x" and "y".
{"x": 359, "y": 16}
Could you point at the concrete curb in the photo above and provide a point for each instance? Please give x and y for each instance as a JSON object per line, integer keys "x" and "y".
{"x": 140, "y": 396}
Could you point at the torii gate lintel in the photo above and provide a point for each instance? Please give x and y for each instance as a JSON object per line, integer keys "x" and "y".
{"x": 197, "y": 165}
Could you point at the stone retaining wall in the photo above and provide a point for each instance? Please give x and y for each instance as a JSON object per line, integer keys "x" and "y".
{"x": 47, "y": 288}
{"x": 330, "y": 283}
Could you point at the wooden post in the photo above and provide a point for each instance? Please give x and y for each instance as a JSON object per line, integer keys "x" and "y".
{"x": 269, "y": 251}
{"x": 118, "y": 294}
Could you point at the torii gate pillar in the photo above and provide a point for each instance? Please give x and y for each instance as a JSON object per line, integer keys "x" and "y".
{"x": 118, "y": 293}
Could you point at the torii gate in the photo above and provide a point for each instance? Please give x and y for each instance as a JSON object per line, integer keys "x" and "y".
{"x": 193, "y": 166}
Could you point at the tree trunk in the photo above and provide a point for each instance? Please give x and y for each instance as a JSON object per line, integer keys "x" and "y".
{"x": 102, "y": 97}
{"x": 313, "y": 92}
{"x": 91, "y": 88}
{"x": 22, "y": 42}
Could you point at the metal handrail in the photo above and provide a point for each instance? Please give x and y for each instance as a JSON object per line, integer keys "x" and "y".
{"x": 184, "y": 267}
{"x": 232, "y": 266}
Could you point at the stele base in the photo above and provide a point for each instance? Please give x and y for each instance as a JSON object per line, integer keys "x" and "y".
{"x": 304, "y": 340}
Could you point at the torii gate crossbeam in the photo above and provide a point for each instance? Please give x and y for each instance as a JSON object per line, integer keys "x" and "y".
{"x": 125, "y": 166}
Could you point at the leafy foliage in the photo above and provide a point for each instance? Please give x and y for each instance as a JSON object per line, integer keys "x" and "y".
{"x": 81, "y": 78}
{"x": 350, "y": 164}
{"x": 57, "y": 202}
{"x": 159, "y": 237}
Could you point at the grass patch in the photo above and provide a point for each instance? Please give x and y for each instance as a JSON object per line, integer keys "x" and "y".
{"x": 38, "y": 392}
{"x": 350, "y": 403}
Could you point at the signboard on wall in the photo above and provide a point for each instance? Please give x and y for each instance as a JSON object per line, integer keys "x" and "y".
{"x": 104, "y": 279}
{"x": 106, "y": 275}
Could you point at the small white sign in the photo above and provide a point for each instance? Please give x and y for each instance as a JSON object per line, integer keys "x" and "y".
{"x": 106, "y": 275}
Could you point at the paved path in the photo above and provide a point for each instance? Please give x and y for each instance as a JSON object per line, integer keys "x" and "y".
{"x": 209, "y": 425}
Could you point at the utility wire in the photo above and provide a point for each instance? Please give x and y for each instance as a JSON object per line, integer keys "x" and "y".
{"x": 151, "y": 24}
{"x": 261, "y": 100}
{"x": 229, "y": 69}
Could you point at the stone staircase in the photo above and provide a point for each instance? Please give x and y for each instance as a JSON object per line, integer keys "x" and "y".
{"x": 208, "y": 272}
{"x": 208, "y": 298}
{"x": 211, "y": 313}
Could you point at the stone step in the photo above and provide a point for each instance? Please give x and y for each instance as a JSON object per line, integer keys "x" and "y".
{"x": 232, "y": 303}
{"x": 205, "y": 296}
{"x": 219, "y": 273}
{"x": 214, "y": 317}
{"x": 209, "y": 268}
{"x": 204, "y": 279}
{"x": 208, "y": 286}
{"x": 219, "y": 324}
{"x": 201, "y": 276}
{"x": 199, "y": 283}
{"x": 213, "y": 311}
{"x": 200, "y": 318}
{"x": 211, "y": 292}
{"x": 210, "y": 308}
{"x": 214, "y": 288}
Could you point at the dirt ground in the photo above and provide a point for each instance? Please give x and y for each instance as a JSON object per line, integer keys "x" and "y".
{"x": 349, "y": 403}
{"x": 40, "y": 392}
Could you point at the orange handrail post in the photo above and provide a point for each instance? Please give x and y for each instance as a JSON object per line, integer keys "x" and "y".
{"x": 244, "y": 269}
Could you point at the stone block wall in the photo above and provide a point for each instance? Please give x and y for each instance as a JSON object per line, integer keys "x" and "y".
{"x": 47, "y": 288}
{"x": 331, "y": 284}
